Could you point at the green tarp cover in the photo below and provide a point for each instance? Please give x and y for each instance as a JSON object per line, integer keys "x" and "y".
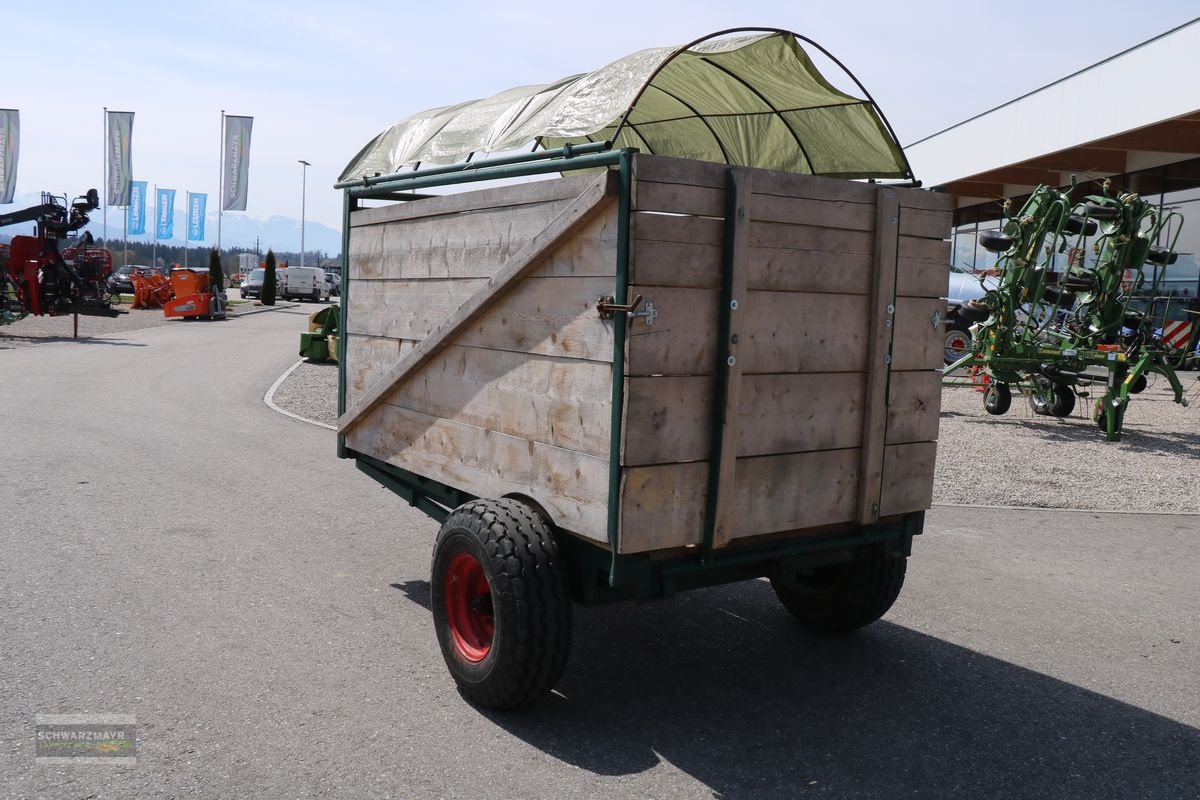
{"x": 751, "y": 100}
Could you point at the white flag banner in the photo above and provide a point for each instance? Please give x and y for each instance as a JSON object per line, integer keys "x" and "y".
{"x": 237, "y": 163}
{"x": 120, "y": 157}
{"x": 10, "y": 141}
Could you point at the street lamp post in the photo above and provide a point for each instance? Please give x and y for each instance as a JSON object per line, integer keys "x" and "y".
{"x": 303, "y": 198}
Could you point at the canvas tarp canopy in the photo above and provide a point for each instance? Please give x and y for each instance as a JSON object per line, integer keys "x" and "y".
{"x": 754, "y": 99}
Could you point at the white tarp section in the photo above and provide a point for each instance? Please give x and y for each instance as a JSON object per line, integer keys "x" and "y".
{"x": 752, "y": 100}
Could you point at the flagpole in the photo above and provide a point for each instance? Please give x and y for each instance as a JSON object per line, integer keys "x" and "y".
{"x": 104, "y": 168}
{"x": 125, "y": 237}
{"x": 188, "y": 206}
{"x": 154, "y": 249}
{"x": 221, "y": 182}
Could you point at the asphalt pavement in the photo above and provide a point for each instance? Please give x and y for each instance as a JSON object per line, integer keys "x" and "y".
{"x": 172, "y": 549}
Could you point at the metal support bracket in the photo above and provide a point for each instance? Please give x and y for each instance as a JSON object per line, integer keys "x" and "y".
{"x": 607, "y": 307}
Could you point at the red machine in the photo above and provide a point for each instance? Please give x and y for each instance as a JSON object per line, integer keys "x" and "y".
{"x": 193, "y": 295}
{"x": 39, "y": 278}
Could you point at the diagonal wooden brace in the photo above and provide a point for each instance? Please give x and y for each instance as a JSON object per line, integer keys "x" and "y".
{"x": 593, "y": 199}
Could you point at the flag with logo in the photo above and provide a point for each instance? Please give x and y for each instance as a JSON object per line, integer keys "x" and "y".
{"x": 164, "y": 214}
{"x": 120, "y": 156}
{"x": 10, "y": 140}
{"x": 196, "y": 208}
{"x": 237, "y": 163}
{"x": 135, "y": 215}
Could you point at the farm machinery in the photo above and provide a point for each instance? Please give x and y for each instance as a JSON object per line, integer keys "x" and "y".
{"x": 1065, "y": 312}
{"x": 37, "y": 277}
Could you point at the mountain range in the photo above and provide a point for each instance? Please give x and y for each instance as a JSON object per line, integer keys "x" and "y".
{"x": 238, "y": 229}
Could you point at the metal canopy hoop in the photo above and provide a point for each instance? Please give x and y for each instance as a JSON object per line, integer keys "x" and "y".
{"x": 745, "y": 96}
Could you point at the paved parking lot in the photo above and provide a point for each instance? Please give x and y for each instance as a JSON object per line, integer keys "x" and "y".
{"x": 261, "y": 608}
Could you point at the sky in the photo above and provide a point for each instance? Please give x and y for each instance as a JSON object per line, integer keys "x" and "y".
{"x": 322, "y": 78}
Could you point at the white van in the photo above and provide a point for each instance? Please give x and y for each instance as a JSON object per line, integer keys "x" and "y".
{"x": 305, "y": 283}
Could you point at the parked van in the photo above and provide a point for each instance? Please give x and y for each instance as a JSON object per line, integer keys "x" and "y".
{"x": 305, "y": 283}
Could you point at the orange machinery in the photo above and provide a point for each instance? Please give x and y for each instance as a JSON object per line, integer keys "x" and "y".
{"x": 193, "y": 297}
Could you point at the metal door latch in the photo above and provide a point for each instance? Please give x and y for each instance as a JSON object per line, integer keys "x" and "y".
{"x": 607, "y": 306}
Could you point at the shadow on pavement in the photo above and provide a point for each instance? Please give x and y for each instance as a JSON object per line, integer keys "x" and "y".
{"x": 725, "y": 687}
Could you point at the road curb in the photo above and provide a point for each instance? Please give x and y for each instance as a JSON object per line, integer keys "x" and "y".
{"x": 269, "y": 399}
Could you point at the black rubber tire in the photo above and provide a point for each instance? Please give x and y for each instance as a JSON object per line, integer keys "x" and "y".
{"x": 1096, "y": 211}
{"x": 1063, "y": 403}
{"x": 1161, "y": 255}
{"x": 995, "y": 241}
{"x": 530, "y": 600}
{"x": 974, "y": 311}
{"x": 1061, "y": 297}
{"x": 1076, "y": 225}
{"x": 997, "y": 399}
{"x": 843, "y": 597}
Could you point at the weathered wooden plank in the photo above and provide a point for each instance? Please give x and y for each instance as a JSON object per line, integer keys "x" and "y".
{"x": 405, "y": 309}
{"x": 924, "y": 267}
{"x": 928, "y": 200}
{"x": 556, "y": 401}
{"x": 739, "y": 190}
{"x": 571, "y": 486}
{"x": 914, "y": 402}
{"x": 925, "y": 223}
{"x": 710, "y": 202}
{"x": 667, "y": 418}
{"x": 477, "y": 244}
{"x": 907, "y": 478}
{"x": 686, "y": 251}
{"x": 879, "y": 342}
{"x": 662, "y": 506}
{"x": 458, "y": 202}
{"x": 785, "y": 332}
{"x": 919, "y": 341}
{"x": 665, "y": 169}
{"x": 367, "y": 358}
{"x": 548, "y": 316}
{"x": 573, "y": 216}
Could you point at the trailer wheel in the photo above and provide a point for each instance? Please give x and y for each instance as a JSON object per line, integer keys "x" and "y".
{"x": 958, "y": 341}
{"x": 997, "y": 399}
{"x": 501, "y": 608}
{"x": 842, "y": 597}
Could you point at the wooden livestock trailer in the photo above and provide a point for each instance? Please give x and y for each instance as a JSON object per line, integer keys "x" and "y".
{"x": 650, "y": 375}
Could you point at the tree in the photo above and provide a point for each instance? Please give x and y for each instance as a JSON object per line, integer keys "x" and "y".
{"x": 268, "y": 289}
{"x": 216, "y": 276}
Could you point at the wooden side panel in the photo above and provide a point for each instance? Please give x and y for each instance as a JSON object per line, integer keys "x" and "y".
{"x": 571, "y": 485}
{"x": 476, "y": 244}
{"x": 907, "y": 478}
{"x": 784, "y": 331}
{"x": 368, "y": 358}
{"x": 821, "y": 287}
{"x": 557, "y": 401}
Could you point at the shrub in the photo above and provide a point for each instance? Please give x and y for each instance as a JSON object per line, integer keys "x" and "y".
{"x": 268, "y": 289}
{"x": 216, "y": 276}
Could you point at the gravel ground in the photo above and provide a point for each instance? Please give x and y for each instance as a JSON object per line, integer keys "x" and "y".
{"x": 35, "y": 330}
{"x": 310, "y": 392}
{"x": 1019, "y": 459}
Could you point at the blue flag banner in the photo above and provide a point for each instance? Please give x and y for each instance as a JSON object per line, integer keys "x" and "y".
{"x": 164, "y": 214}
{"x": 135, "y": 216}
{"x": 197, "y": 204}
{"x": 10, "y": 141}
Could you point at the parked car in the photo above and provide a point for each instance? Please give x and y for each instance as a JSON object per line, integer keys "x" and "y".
{"x": 334, "y": 279}
{"x": 122, "y": 278}
{"x": 252, "y": 284}
{"x": 304, "y": 283}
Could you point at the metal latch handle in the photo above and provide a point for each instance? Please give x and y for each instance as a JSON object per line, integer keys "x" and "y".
{"x": 607, "y": 306}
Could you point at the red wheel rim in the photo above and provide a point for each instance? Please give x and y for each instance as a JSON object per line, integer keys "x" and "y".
{"x": 469, "y": 607}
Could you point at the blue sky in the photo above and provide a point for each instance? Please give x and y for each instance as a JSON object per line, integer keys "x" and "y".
{"x": 321, "y": 79}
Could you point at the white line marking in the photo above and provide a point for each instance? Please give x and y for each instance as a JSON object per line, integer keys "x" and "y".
{"x": 269, "y": 399}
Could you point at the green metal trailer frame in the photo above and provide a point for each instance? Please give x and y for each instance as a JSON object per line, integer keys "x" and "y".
{"x": 599, "y": 575}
